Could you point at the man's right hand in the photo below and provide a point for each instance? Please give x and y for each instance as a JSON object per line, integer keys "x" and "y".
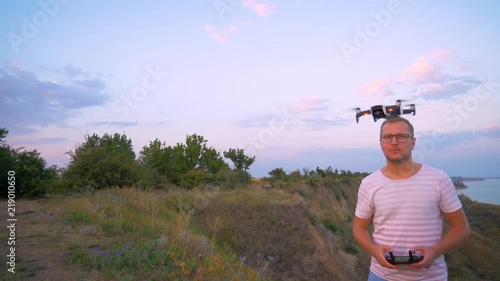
{"x": 378, "y": 252}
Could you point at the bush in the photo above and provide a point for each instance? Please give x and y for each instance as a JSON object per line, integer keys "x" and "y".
{"x": 193, "y": 178}
{"x": 25, "y": 169}
{"x": 33, "y": 178}
{"x": 232, "y": 178}
{"x": 102, "y": 162}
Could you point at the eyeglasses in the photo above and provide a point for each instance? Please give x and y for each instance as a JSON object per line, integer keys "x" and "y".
{"x": 399, "y": 138}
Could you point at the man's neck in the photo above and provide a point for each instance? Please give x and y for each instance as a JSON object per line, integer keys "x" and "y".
{"x": 400, "y": 170}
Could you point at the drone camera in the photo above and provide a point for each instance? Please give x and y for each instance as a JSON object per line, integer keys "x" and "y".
{"x": 382, "y": 111}
{"x": 378, "y": 112}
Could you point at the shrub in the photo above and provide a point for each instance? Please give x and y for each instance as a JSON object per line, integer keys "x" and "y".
{"x": 24, "y": 169}
{"x": 102, "y": 162}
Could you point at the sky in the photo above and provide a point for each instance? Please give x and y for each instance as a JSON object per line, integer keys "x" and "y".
{"x": 279, "y": 79}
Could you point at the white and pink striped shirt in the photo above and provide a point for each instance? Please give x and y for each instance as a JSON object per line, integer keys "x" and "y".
{"x": 407, "y": 213}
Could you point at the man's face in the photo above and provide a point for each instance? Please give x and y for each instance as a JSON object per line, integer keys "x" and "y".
{"x": 394, "y": 151}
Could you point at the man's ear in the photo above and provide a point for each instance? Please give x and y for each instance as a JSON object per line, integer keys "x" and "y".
{"x": 414, "y": 141}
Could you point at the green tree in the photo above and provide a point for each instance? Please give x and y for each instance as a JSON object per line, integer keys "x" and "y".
{"x": 240, "y": 161}
{"x": 3, "y": 134}
{"x": 320, "y": 172}
{"x": 102, "y": 162}
{"x": 196, "y": 155}
{"x": 30, "y": 171}
{"x": 186, "y": 164}
{"x": 33, "y": 177}
{"x": 6, "y": 161}
{"x": 157, "y": 156}
{"x": 278, "y": 174}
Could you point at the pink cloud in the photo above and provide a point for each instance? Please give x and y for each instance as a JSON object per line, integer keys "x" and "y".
{"x": 291, "y": 154}
{"x": 220, "y": 36}
{"x": 260, "y": 9}
{"x": 440, "y": 56}
{"x": 312, "y": 103}
{"x": 421, "y": 71}
{"x": 379, "y": 86}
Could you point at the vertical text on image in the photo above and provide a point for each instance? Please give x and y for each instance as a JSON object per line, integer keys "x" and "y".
{"x": 11, "y": 221}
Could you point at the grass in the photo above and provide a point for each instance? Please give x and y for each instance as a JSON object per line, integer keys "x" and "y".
{"x": 148, "y": 235}
{"x": 295, "y": 232}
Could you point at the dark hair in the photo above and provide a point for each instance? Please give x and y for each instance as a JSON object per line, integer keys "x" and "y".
{"x": 392, "y": 120}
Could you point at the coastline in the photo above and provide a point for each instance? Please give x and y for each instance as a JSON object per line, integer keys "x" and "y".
{"x": 459, "y": 184}
{"x": 487, "y": 191}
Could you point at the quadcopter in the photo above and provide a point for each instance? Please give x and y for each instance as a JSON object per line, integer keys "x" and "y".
{"x": 384, "y": 111}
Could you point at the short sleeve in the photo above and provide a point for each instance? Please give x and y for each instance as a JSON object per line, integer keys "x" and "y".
{"x": 364, "y": 205}
{"x": 449, "y": 198}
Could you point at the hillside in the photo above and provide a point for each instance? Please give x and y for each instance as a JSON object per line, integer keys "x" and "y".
{"x": 281, "y": 231}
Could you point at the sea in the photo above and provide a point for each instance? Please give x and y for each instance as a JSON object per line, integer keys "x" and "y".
{"x": 487, "y": 191}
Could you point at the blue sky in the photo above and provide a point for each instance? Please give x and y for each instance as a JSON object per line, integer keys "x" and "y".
{"x": 279, "y": 79}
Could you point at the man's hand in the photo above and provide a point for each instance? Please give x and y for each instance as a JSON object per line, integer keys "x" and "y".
{"x": 360, "y": 233}
{"x": 429, "y": 256}
{"x": 378, "y": 252}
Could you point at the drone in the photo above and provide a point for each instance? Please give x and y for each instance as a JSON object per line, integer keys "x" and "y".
{"x": 385, "y": 111}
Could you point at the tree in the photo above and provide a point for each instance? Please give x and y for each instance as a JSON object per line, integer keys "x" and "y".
{"x": 116, "y": 144}
{"x": 186, "y": 164}
{"x": 6, "y": 161}
{"x": 278, "y": 174}
{"x": 102, "y": 162}
{"x": 240, "y": 161}
{"x": 3, "y": 134}
{"x": 196, "y": 155}
{"x": 320, "y": 172}
{"x": 31, "y": 175}
{"x": 157, "y": 156}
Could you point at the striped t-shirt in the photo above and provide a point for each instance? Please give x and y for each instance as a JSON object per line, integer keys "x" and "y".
{"x": 407, "y": 213}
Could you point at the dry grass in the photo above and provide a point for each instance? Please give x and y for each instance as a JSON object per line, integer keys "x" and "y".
{"x": 297, "y": 232}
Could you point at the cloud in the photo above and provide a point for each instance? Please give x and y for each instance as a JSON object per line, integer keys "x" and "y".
{"x": 47, "y": 141}
{"x": 421, "y": 71}
{"x": 449, "y": 87}
{"x": 117, "y": 124}
{"x": 260, "y": 9}
{"x": 105, "y": 74}
{"x": 256, "y": 122}
{"x": 220, "y": 35}
{"x": 428, "y": 77}
{"x": 313, "y": 103}
{"x": 27, "y": 102}
{"x": 454, "y": 138}
{"x": 71, "y": 70}
{"x": 377, "y": 87}
{"x": 309, "y": 114}
{"x": 319, "y": 123}
{"x": 91, "y": 83}
{"x": 441, "y": 56}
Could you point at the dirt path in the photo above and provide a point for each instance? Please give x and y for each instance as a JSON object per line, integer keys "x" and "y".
{"x": 43, "y": 243}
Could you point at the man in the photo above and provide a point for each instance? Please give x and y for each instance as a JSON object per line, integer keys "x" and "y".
{"x": 406, "y": 201}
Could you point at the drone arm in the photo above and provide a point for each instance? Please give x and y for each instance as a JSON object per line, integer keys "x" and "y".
{"x": 408, "y": 111}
